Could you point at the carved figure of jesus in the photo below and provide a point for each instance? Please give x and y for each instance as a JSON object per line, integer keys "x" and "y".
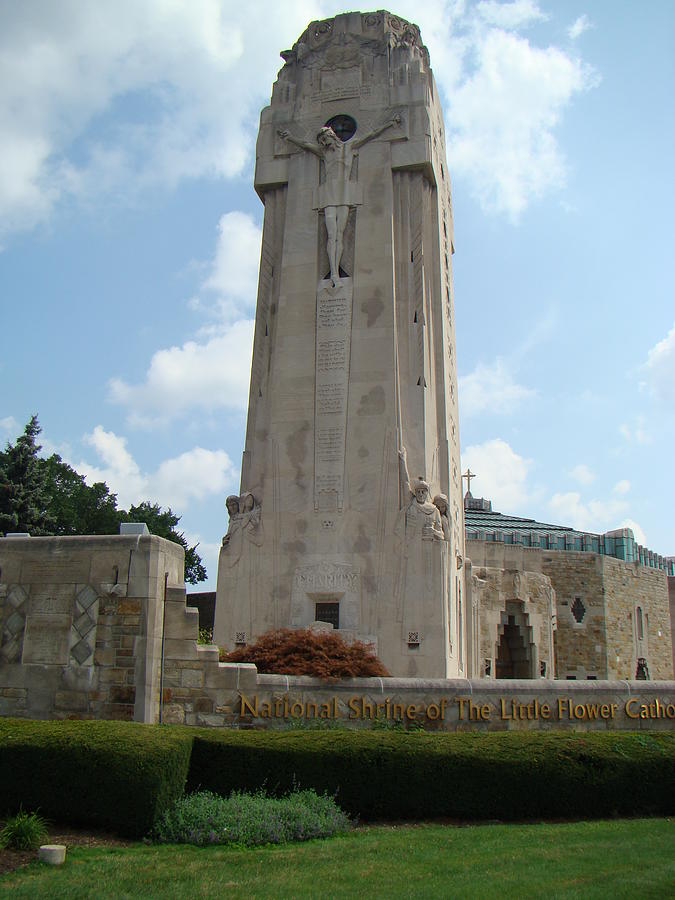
{"x": 338, "y": 157}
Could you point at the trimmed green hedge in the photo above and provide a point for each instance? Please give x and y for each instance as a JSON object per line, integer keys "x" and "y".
{"x": 123, "y": 776}
{"x": 114, "y": 775}
{"x": 505, "y": 776}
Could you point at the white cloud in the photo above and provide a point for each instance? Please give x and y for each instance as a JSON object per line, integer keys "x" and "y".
{"x": 638, "y": 533}
{"x": 208, "y": 376}
{"x": 234, "y": 270}
{"x": 193, "y": 475}
{"x": 621, "y": 487}
{"x": 579, "y": 26}
{"x": 116, "y": 466}
{"x": 9, "y": 427}
{"x": 501, "y": 474}
{"x": 110, "y": 97}
{"x": 510, "y": 15}
{"x": 213, "y": 371}
{"x": 595, "y": 515}
{"x": 491, "y": 388}
{"x": 104, "y": 99}
{"x": 660, "y": 369}
{"x": 582, "y": 474}
{"x": 637, "y": 432}
{"x": 503, "y": 115}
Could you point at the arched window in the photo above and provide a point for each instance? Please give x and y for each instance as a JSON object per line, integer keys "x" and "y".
{"x": 638, "y": 623}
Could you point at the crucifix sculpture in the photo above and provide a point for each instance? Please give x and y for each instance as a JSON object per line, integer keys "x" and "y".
{"x": 338, "y": 157}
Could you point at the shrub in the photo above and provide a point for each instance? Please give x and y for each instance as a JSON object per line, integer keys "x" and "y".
{"x": 206, "y": 818}
{"x": 24, "y": 831}
{"x": 115, "y": 775}
{"x": 304, "y": 652}
{"x": 392, "y": 775}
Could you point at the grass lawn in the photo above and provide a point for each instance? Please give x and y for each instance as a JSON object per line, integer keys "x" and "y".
{"x": 633, "y": 858}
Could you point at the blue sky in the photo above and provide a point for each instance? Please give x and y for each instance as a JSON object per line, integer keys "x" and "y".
{"x": 129, "y": 236}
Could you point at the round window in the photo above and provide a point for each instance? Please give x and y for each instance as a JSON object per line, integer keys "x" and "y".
{"x": 343, "y": 126}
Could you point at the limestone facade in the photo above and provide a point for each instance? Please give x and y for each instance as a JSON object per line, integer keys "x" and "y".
{"x": 607, "y": 618}
{"x": 81, "y": 625}
{"x": 353, "y": 397}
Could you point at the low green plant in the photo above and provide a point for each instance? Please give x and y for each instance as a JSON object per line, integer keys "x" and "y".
{"x": 205, "y": 636}
{"x": 24, "y": 831}
{"x": 250, "y": 819}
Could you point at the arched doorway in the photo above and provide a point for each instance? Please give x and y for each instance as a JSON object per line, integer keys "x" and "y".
{"x": 515, "y": 648}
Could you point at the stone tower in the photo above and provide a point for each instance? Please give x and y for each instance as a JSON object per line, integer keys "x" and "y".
{"x": 351, "y": 509}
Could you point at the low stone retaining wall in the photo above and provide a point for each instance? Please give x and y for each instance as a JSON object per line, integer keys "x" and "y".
{"x": 237, "y": 696}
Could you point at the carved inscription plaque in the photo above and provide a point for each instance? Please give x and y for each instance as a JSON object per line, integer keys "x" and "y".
{"x": 334, "y": 313}
{"x": 331, "y": 356}
{"x": 56, "y": 602}
{"x": 330, "y": 398}
{"x": 329, "y": 444}
{"x": 333, "y": 343}
{"x": 37, "y": 571}
{"x": 46, "y": 640}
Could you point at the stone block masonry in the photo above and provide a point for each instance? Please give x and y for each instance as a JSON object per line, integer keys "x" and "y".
{"x": 143, "y": 635}
{"x": 81, "y": 625}
{"x": 611, "y": 619}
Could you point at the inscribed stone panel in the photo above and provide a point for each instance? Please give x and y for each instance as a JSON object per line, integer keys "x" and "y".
{"x": 46, "y": 640}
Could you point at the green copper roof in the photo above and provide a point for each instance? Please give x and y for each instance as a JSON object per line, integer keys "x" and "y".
{"x": 482, "y": 523}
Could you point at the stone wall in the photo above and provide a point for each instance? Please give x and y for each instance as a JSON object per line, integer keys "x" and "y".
{"x": 81, "y": 625}
{"x": 634, "y": 593}
{"x": 512, "y": 598}
{"x": 598, "y": 602}
{"x": 199, "y": 690}
{"x": 580, "y": 646}
{"x": 98, "y": 627}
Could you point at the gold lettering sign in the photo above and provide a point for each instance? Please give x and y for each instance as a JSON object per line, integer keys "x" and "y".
{"x": 469, "y": 710}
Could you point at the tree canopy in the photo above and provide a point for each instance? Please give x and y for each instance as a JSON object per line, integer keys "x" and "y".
{"x": 48, "y": 497}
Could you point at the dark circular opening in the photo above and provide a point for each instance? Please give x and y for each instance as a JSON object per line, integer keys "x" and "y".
{"x": 343, "y": 126}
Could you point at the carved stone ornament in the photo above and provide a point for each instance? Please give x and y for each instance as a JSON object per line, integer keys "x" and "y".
{"x": 419, "y": 517}
{"x": 326, "y": 577}
{"x": 245, "y": 521}
{"x": 379, "y": 31}
{"x": 371, "y": 20}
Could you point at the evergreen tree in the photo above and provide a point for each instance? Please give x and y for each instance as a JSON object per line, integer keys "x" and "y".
{"x": 24, "y": 492}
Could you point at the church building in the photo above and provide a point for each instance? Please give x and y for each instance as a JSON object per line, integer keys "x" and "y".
{"x": 555, "y": 602}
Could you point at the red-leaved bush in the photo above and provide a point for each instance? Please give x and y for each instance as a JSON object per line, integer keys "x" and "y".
{"x": 305, "y": 652}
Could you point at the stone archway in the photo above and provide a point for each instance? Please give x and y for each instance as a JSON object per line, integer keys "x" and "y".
{"x": 516, "y": 653}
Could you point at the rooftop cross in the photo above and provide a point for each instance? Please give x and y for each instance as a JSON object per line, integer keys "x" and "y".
{"x": 468, "y": 475}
